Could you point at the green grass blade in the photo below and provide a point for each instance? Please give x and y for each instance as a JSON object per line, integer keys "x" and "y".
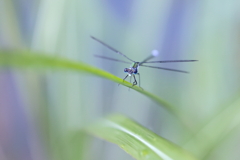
{"x": 75, "y": 145}
{"x": 214, "y": 132}
{"x": 23, "y": 59}
{"x": 136, "y": 140}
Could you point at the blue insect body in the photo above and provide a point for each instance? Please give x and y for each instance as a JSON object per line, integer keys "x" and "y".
{"x": 133, "y": 70}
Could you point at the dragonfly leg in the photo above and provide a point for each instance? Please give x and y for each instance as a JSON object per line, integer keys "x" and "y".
{"x": 130, "y": 82}
{"x": 135, "y": 81}
{"x": 123, "y": 79}
{"x": 139, "y": 80}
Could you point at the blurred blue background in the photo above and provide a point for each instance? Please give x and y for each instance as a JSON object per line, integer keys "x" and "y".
{"x": 37, "y": 106}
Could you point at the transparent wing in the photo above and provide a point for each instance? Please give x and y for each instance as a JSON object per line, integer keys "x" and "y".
{"x": 111, "y": 48}
{"x": 169, "y": 61}
{"x": 111, "y": 59}
{"x": 174, "y": 70}
{"x": 148, "y": 58}
{"x": 154, "y": 54}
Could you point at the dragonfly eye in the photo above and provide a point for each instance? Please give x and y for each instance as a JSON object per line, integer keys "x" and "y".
{"x": 125, "y": 69}
{"x": 136, "y": 71}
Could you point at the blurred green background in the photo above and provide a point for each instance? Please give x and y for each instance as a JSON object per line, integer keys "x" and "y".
{"x": 39, "y": 108}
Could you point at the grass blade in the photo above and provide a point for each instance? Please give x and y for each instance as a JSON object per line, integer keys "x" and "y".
{"x": 28, "y": 59}
{"x": 214, "y": 132}
{"x": 136, "y": 140}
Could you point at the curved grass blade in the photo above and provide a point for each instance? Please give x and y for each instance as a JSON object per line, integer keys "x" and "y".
{"x": 136, "y": 140}
{"x": 215, "y": 130}
{"x": 28, "y": 59}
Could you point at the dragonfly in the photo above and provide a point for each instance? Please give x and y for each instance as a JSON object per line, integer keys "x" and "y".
{"x": 133, "y": 69}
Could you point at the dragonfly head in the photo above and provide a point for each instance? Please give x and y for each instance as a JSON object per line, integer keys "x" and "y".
{"x": 135, "y": 71}
{"x": 126, "y": 69}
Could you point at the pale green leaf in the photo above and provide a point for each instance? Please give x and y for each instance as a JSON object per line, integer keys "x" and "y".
{"x": 136, "y": 140}
{"x": 28, "y": 59}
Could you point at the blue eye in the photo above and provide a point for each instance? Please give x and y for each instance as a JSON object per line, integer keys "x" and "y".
{"x": 125, "y": 70}
{"x": 136, "y": 71}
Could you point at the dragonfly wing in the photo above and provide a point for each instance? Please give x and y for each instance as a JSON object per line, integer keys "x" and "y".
{"x": 174, "y": 70}
{"x": 111, "y": 48}
{"x": 154, "y": 54}
{"x": 148, "y": 58}
{"x": 111, "y": 59}
{"x": 170, "y": 61}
